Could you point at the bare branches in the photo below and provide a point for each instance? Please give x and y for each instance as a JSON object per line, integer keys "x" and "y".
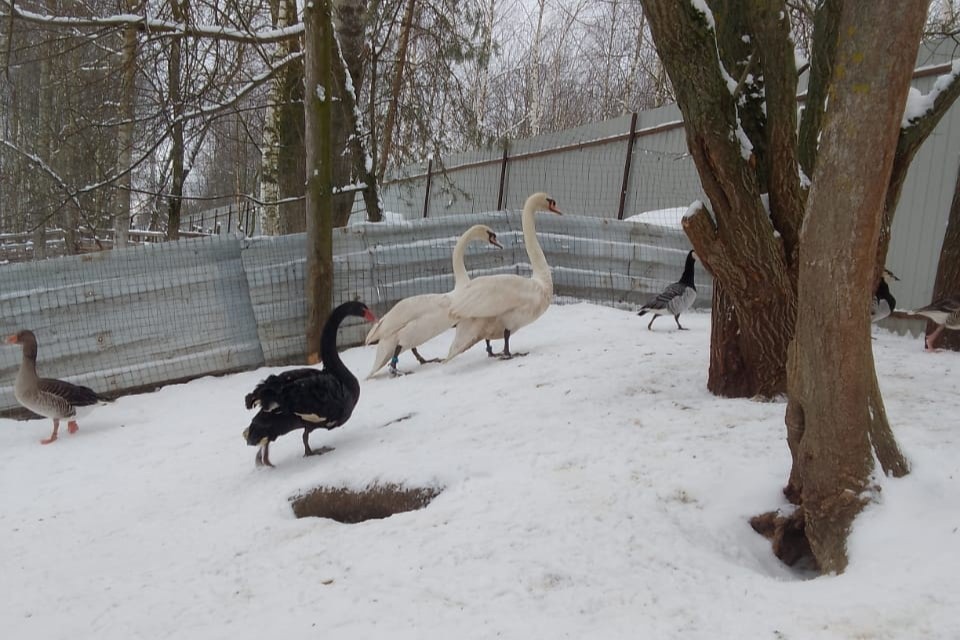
{"x": 153, "y": 26}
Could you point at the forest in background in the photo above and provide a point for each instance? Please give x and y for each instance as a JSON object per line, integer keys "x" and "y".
{"x": 151, "y": 110}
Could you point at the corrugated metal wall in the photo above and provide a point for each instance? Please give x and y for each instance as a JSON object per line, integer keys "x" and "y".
{"x": 586, "y": 177}
{"x": 141, "y": 317}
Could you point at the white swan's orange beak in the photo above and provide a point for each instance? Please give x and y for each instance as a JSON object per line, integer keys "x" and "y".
{"x": 552, "y": 207}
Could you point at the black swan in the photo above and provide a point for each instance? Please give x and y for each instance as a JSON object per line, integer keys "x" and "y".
{"x": 54, "y": 399}
{"x": 306, "y": 398}
{"x": 675, "y": 298}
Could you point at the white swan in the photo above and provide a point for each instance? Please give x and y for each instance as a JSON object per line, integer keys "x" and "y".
{"x": 495, "y": 307}
{"x": 416, "y": 319}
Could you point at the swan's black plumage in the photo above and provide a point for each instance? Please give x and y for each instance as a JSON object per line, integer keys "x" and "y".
{"x": 306, "y": 398}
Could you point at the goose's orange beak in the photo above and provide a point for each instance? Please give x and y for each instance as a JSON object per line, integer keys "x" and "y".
{"x": 11, "y": 339}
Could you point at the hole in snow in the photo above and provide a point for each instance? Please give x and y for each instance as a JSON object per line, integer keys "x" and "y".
{"x": 373, "y": 503}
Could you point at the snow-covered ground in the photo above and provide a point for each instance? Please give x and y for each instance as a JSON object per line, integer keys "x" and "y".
{"x": 592, "y": 489}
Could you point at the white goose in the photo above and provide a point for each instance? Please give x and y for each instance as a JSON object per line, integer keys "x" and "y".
{"x": 416, "y": 319}
{"x": 495, "y": 307}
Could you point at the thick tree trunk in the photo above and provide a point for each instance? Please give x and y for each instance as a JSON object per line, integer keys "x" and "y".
{"x": 947, "y": 282}
{"x": 318, "y": 47}
{"x": 738, "y": 244}
{"x": 729, "y": 376}
{"x": 834, "y": 415}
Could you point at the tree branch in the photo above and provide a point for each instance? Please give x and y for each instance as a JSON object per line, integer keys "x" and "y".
{"x": 153, "y": 26}
{"x": 825, "y": 31}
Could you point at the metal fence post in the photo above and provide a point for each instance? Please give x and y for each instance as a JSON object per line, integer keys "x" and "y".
{"x": 626, "y": 165}
{"x": 426, "y": 196}
{"x": 503, "y": 176}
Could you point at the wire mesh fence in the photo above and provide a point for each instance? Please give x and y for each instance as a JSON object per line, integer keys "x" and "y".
{"x": 121, "y": 321}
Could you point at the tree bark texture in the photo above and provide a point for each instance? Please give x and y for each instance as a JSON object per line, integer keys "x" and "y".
{"x": 947, "y": 282}
{"x": 832, "y": 380}
{"x": 318, "y": 46}
{"x": 738, "y": 244}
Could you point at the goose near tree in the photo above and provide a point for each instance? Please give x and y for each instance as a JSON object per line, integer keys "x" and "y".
{"x": 675, "y": 298}
{"x": 495, "y": 307}
{"x": 306, "y": 398}
{"x": 883, "y": 302}
{"x": 417, "y": 319}
{"x": 54, "y": 399}
{"x": 945, "y": 312}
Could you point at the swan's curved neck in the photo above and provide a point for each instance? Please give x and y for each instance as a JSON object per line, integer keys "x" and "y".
{"x": 541, "y": 270}
{"x": 328, "y": 350}
{"x": 460, "y": 276}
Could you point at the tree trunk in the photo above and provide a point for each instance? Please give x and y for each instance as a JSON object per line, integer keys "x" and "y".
{"x": 128, "y": 101}
{"x": 177, "y": 142}
{"x": 738, "y": 244}
{"x": 347, "y": 61}
{"x": 318, "y": 46}
{"x": 534, "y": 86}
{"x": 729, "y": 375}
{"x": 391, "y": 118}
{"x": 832, "y": 411}
{"x": 273, "y": 123}
{"x": 362, "y": 160}
{"x": 292, "y": 146}
{"x": 947, "y": 282}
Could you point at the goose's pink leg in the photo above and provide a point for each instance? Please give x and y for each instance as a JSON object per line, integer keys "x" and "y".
{"x": 72, "y": 426}
{"x": 932, "y": 338}
{"x": 53, "y": 436}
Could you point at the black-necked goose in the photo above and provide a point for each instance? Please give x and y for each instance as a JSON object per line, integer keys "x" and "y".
{"x": 306, "y": 398}
{"x": 883, "y": 302}
{"x": 675, "y": 298}
{"x": 54, "y": 399}
{"x": 945, "y": 312}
